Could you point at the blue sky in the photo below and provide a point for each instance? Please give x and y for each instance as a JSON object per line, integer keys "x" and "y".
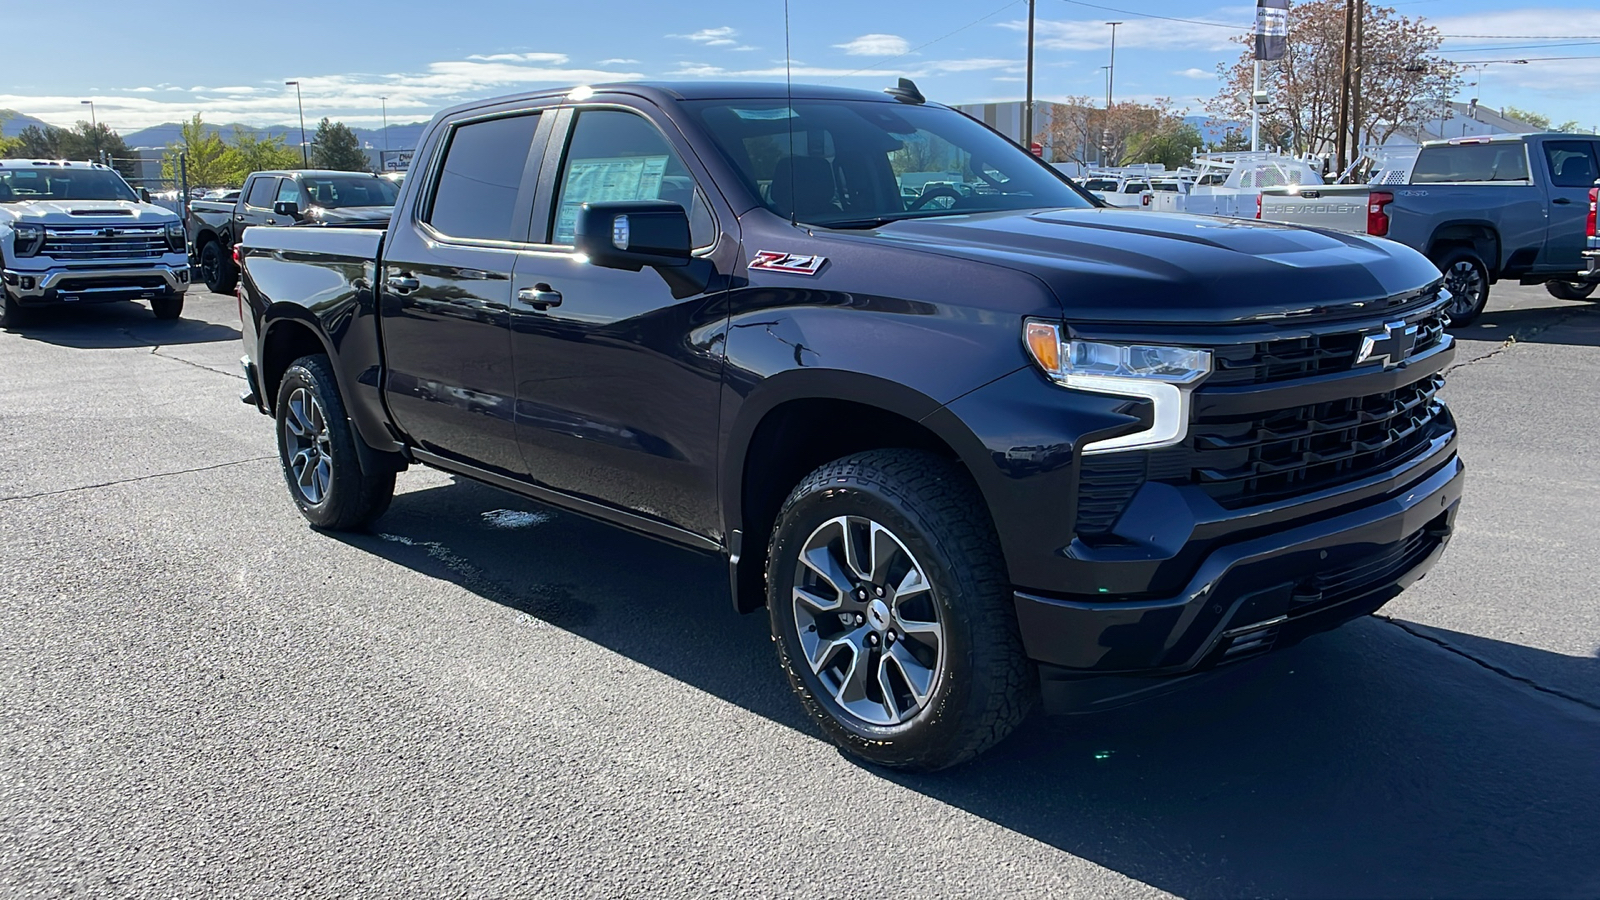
{"x": 229, "y": 60}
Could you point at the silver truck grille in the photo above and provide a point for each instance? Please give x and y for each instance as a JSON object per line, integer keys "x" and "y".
{"x": 90, "y": 243}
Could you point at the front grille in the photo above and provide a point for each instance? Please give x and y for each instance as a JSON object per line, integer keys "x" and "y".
{"x": 95, "y": 244}
{"x": 1246, "y": 460}
{"x": 1258, "y": 459}
{"x": 1284, "y": 360}
{"x": 139, "y": 282}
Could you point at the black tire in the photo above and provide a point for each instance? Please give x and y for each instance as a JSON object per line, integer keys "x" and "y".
{"x": 347, "y": 498}
{"x": 216, "y": 268}
{"x": 1467, "y": 279}
{"x": 167, "y": 307}
{"x": 985, "y": 685}
{"x": 1569, "y": 290}
{"x": 12, "y": 315}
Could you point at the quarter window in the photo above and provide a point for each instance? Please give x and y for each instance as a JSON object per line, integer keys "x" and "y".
{"x": 616, "y": 155}
{"x": 261, "y": 191}
{"x": 1571, "y": 163}
{"x": 476, "y": 194}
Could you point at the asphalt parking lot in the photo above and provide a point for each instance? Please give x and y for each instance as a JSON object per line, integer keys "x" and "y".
{"x": 200, "y": 696}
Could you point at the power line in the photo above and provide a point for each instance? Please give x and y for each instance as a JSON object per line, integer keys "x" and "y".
{"x": 1521, "y": 37}
{"x": 1519, "y": 47}
{"x": 884, "y": 62}
{"x": 1129, "y": 12}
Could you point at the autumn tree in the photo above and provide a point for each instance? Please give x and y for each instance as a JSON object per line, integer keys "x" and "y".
{"x": 1077, "y": 131}
{"x": 206, "y": 157}
{"x": 1403, "y": 81}
{"x": 337, "y": 147}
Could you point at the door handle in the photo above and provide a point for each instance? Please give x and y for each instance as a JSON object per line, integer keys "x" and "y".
{"x": 238, "y": 218}
{"x": 402, "y": 284}
{"x": 1562, "y": 200}
{"x": 540, "y": 296}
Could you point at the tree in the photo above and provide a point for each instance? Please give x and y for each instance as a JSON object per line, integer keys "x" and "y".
{"x": 337, "y": 147}
{"x": 1171, "y": 147}
{"x": 251, "y": 152}
{"x": 80, "y": 142}
{"x": 1404, "y": 82}
{"x": 1537, "y": 120}
{"x": 6, "y": 143}
{"x": 1075, "y": 131}
{"x": 206, "y": 157}
{"x": 1233, "y": 140}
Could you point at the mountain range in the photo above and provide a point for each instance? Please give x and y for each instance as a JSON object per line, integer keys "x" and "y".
{"x": 400, "y": 136}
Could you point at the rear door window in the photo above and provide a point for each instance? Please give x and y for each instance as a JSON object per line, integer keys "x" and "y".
{"x": 1572, "y": 163}
{"x": 262, "y": 191}
{"x": 1498, "y": 161}
{"x": 475, "y": 196}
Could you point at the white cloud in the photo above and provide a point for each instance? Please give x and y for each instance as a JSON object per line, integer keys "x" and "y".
{"x": 710, "y": 37}
{"x": 1196, "y": 74}
{"x": 554, "y": 59}
{"x": 799, "y": 70}
{"x": 1159, "y": 34}
{"x": 618, "y": 62}
{"x": 876, "y": 45}
{"x": 1553, "y": 23}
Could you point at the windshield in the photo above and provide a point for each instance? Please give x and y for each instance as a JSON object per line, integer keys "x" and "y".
{"x": 860, "y": 163}
{"x": 1099, "y": 184}
{"x": 59, "y": 183}
{"x": 335, "y": 191}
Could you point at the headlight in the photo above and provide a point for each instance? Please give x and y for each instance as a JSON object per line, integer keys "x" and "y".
{"x": 29, "y": 238}
{"x": 1163, "y": 375}
{"x": 175, "y": 236}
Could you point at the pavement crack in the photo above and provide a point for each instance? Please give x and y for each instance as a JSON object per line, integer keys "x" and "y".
{"x": 104, "y": 484}
{"x": 155, "y": 350}
{"x": 1521, "y": 335}
{"x": 1483, "y": 663}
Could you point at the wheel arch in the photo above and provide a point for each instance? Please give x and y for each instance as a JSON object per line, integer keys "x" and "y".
{"x": 1480, "y": 236}
{"x": 799, "y": 420}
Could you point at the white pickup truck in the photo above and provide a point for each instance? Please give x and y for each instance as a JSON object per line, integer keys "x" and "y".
{"x": 75, "y": 232}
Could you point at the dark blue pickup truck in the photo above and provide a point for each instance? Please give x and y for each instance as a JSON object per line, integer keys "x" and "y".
{"x": 967, "y": 446}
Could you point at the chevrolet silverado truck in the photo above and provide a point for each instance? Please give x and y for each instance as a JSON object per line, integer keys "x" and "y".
{"x": 1483, "y": 209}
{"x": 965, "y": 456}
{"x": 290, "y": 197}
{"x": 75, "y": 232}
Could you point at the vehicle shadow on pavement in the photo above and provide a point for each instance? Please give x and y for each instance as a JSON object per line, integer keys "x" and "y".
{"x": 1367, "y": 762}
{"x": 112, "y": 326}
{"x": 1577, "y": 324}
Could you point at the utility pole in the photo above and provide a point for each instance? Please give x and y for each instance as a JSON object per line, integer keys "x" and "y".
{"x": 1355, "y": 83}
{"x": 94, "y": 129}
{"x": 1343, "y": 129}
{"x": 1027, "y": 105}
{"x": 385, "y": 102}
{"x": 305, "y": 155}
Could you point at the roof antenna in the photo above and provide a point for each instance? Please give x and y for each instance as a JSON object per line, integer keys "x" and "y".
{"x": 788, "y": 90}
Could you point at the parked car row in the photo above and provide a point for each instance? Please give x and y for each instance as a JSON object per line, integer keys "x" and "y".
{"x": 1483, "y": 209}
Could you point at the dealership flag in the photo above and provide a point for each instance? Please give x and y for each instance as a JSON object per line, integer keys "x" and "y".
{"x": 1272, "y": 28}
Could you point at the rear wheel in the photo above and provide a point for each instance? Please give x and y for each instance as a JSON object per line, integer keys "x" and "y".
{"x": 12, "y": 315}
{"x": 892, "y": 613}
{"x": 167, "y": 307}
{"x": 1467, "y": 280}
{"x": 1569, "y": 290}
{"x": 317, "y": 448}
{"x": 216, "y": 268}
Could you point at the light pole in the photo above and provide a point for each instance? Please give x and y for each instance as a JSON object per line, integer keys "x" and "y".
{"x": 1105, "y": 126}
{"x": 1477, "y": 86}
{"x": 385, "y": 102}
{"x": 305, "y": 155}
{"x": 1111, "y": 73}
{"x": 94, "y": 128}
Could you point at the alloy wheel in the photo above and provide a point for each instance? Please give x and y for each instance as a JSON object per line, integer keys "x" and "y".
{"x": 308, "y": 446}
{"x": 1465, "y": 283}
{"x": 867, "y": 621}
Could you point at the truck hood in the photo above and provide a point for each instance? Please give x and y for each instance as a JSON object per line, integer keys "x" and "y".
{"x": 1110, "y": 265}
{"x": 85, "y": 212}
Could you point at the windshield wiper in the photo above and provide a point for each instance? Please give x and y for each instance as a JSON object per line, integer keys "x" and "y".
{"x": 868, "y": 222}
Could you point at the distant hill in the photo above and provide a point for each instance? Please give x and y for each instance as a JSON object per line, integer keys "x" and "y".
{"x": 401, "y": 136}
{"x": 14, "y": 122}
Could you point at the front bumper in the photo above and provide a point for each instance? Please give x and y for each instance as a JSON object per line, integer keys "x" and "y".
{"x": 1250, "y": 597}
{"x": 90, "y": 285}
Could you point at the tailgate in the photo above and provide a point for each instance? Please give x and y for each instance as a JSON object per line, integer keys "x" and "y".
{"x": 1340, "y": 207}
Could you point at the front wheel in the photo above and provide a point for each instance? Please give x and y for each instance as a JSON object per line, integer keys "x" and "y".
{"x": 167, "y": 307}
{"x": 1467, "y": 280}
{"x": 12, "y": 314}
{"x": 892, "y": 613}
{"x": 317, "y": 447}
{"x": 1569, "y": 290}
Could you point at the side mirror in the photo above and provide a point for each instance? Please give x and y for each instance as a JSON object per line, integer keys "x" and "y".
{"x": 144, "y": 195}
{"x": 633, "y": 234}
{"x": 287, "y": 208}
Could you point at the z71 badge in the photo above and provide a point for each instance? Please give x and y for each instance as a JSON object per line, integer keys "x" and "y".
{"x": 778, "y": 261}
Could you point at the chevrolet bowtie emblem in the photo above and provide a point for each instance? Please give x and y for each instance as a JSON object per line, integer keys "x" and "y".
{"x": 1390, "y": 346}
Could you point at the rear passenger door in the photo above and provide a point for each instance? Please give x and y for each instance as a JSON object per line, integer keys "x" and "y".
{"x": 256, "y": 208}
{"x": 1571, "y": 169}
{"x": 446, "y": 285}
